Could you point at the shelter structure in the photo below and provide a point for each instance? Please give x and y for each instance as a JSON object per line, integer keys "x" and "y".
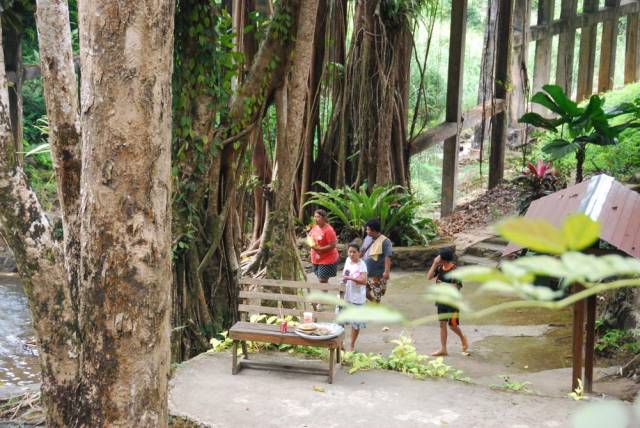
{"x": 616, "y": 207}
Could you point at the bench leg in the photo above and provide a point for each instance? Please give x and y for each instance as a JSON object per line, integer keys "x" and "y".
{"x": 244, "y": 350}
{"x": 332, "y": 357}
{"x": 234, "y": 358}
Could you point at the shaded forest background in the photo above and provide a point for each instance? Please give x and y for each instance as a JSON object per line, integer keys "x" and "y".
{"x": 226, "y": 196}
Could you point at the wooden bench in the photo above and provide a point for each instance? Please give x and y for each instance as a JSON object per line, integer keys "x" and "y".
{"x": 253, "y": 293}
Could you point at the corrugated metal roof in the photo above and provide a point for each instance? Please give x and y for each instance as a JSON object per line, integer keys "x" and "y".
{"x": 602, "y": 198}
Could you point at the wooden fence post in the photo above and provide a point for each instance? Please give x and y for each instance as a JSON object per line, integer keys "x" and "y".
{"x": 566, "y": 40}
{"x": 609, "y": 43}
{"x": 454, "y": 105}
{"x": 632, "y": 56}
{"x": 542, "y": 63}
{"x": 578, "y": 338}
{"x": 587, "y": 54}
{"x": 502, "y": 83}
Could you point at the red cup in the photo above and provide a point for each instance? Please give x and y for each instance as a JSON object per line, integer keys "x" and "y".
{"x": 284, "y": 328}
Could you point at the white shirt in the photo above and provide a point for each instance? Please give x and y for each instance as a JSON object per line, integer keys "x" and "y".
{"x": 355, "y": 293}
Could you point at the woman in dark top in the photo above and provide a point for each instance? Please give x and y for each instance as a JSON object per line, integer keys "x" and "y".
{"x": 441, "y": 267}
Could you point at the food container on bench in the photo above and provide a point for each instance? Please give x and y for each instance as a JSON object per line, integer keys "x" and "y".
{"x": 308, "y": 317}
{"x": 284, "y": 326}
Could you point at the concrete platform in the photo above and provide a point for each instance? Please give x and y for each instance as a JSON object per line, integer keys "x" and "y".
{"x": 204, "y": 391}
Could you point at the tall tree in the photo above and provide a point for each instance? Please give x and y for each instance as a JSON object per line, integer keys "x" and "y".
{"x": 212, "y": 122}
{"x": 278, "y": 253}
{"x": 100, "y": 304}
{"x": 372, "y": 117}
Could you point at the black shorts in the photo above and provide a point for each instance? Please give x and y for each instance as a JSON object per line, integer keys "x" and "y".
{"x": 453, "y": 315}
{"x": 326, "y": 271}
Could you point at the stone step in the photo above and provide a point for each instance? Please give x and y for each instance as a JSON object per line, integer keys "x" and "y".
{"x": 498, "y": 240}
{"x": 469, "y": 260}
{"x": 486, "y": 249}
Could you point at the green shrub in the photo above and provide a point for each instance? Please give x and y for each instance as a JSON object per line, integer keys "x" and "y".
{"x": 575, "y": 127}
{"x": 397, "y": 210}
{"x": 621, "y": 160}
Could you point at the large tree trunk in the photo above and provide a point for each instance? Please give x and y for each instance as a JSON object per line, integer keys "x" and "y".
{"x": 61, "y": 97}
{"x": 312, "y": 109}
{"x": 13, "y": 63}
{"x": 372, "y": 112}
{"x": 213, "y": 131}
{"x": 125, "y": 269}
{"x": 40, "y": 263}
{"x": 278, "y": 252}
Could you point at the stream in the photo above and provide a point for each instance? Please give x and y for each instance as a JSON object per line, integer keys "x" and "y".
{"x": 19, "y": 363}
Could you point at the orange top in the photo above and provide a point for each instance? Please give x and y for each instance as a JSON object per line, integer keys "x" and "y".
{"x": 323, "y": 237}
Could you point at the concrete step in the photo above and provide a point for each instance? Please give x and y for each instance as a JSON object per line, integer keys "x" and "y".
{"x": 469, "y": 260}
{"x": 498, "y": 240}
{"x": 486, "y": 249}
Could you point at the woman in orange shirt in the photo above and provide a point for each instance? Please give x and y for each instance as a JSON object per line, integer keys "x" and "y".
{"x": 324, "y": 255}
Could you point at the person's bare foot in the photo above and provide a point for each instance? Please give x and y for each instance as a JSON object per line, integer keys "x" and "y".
{"x": 465, "y": 344}
{"x": 440, "y": 353}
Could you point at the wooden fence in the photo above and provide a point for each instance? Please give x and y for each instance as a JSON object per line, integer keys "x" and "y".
{"x": 514, "y": 37}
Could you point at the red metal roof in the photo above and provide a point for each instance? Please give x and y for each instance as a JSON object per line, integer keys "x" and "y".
{"x": 602, "y": 198}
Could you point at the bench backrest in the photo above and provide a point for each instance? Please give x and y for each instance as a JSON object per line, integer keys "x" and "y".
{"x": 254, "y": 292}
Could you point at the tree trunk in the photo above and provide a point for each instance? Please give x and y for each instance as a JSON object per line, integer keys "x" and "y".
{"x": 40, "y": 263}
{"x": 312, "y": 111}
{"x": 213, "y": 131}
{"x": 487, "y": 69}
{"x": 61, "y": 97}
{"x": 371, "y": 120}
{"x": 125, "y": 232}
{"x": 13, "y": 63}
{"x": 580, "y": 156}
{"x": 278, "y": 252}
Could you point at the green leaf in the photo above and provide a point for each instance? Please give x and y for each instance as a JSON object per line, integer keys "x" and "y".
{"x": 579, "y": 231}
{"x": 566, "y": 105}
{"x": 477, "y": 274}
{"x": 537, "y": 235}
{"x": 559, "y": 148}
{"x": 538, "y": 121}
{"x": 326, "y": 299}
{"x": 446, "y": 294}
{"x": 542, "y": 265}
{"x": 546, "y": 101}
{"x": 370, "y": 313}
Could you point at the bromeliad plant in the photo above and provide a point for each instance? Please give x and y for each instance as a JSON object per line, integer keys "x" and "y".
{"x": 576, "y": 127}
{"x": 537, "y": 181}
{"x": 396, "y": 209}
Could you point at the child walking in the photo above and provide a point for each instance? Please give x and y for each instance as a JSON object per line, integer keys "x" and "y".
{"x": 442, "y": 265}
{"x": 354, "y": 275}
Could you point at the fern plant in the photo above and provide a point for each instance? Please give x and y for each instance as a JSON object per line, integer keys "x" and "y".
{"x": 350, "y": 209}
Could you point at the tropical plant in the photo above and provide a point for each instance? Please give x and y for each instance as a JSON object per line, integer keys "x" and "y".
{"x": 404, "y": 358}
{"x": 615, "y": 340}
{"x": 350, "y": 209}
{"x": 576, "y": 126}
{"x": 537, "y": 181}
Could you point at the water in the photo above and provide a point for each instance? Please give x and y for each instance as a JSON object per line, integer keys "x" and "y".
{"x": 19, "y": 363}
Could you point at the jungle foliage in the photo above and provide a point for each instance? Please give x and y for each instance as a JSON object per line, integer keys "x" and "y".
{"x": 397, "y": 210}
